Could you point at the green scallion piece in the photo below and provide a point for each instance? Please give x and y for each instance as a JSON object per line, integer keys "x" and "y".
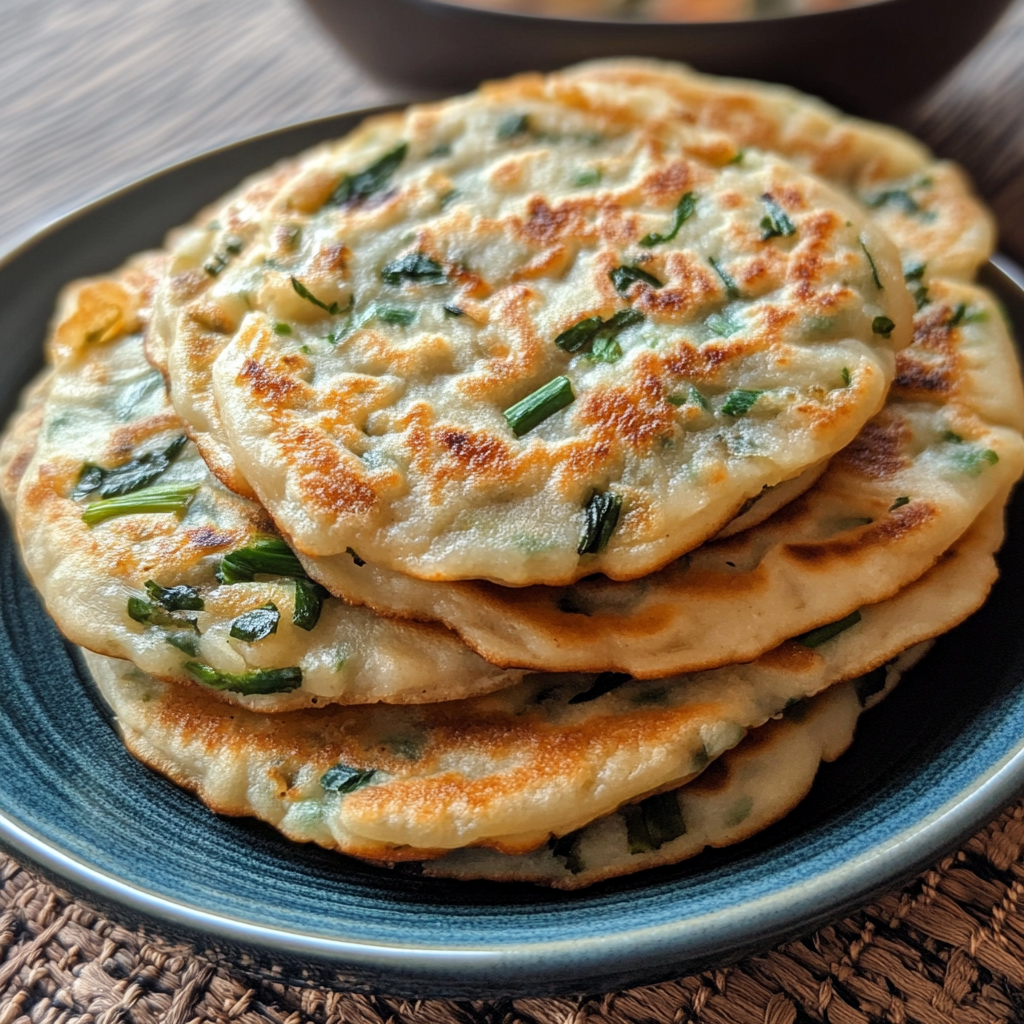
{"x": 775, "y": 223}
{"x": 740, "y": 402}
{"x": 129, "y": 477}
{"x": 309, "y": 602}
{"x": 623, "y": 277}
{"x": 513, "y": 125}
{"x": 899, "y": 503}
{"x": 301, "y": 290}
{"x": 731, "y": 288}
{"x": 604, "y": 683}
{"x": 544, "y": 402}
{"x": 600, "y": 517}
{"x": 175, "y": 599}
{"x": 722, "y": 325}
{"x": 187, "y": 643}
{"x": 653, "y": 822}
{"x": 174, "y": 499}
{"x": 416, "y": 267}
{"x": 816, "y": 637}
{"x": 374, "y": 178}
{"x": 898, "y": 197}
{"x": 883, "y": 325}
{"x": 153, "y": 615}
{"x": 684, "y": 211}
{"x": 871, "y": 262}
{"x": 587, "y": 177}
{"x": 399, "y": 315}
{"x": 255, "y": 681}
{"x": 450, "y": 309}
{"x": 567, "y": 849}
{"x": 343, "y": 779}
{"x": 257, "y": 624}
{"x": 913, "y": 274}
{"x": 847, "y": 376}
{"x": 580, "y": 335}
{"x": 282, "y": 328}
{"x": 269, "y": 556}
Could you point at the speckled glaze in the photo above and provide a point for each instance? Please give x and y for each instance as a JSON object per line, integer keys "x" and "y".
{"x": 941, "y": 757}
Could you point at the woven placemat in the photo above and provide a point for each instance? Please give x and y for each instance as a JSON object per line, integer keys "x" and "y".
{"x": 947, "y": 949}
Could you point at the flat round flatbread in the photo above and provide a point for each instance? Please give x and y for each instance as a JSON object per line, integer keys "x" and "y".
{"x": 140, "y": 553}
{"x": 510, "y": 769}
{"x": 744, "y": 791}
{"x": 946, "y": 443}
{"x": 542, "y": 331}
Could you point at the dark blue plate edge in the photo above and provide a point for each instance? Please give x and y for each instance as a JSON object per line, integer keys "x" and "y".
{"x": 596, "y": 964}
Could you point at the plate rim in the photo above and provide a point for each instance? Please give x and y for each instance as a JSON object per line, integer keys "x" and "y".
{"x": 712, "y": 937}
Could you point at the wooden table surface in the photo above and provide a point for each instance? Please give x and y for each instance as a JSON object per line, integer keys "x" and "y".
{"x": 94, "y": 94}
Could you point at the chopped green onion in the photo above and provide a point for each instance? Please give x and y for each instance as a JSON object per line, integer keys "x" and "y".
{"x": 215, "y": 264}
{"x": 567, "y": 849}
{"x": 257, "y": 624}
{"x": 722, "y": 326}
{"x": 972, "y": 459}
{"x": 913, "y": 273}
{"x": 267, "y": 555}
{"x": 653, "y": 822}
{"x": 604, "y": 683}
{"x": 129, "y": 477}
{"x": 175, "y": 599}
{"x": 871, "y": 261}
{"x": 187, "y": 643}
{"x": 414, "y": 266}
{"x": 899, "y": 503}
{"x": 590, "y": 176}
{"x": 684, "y": 211}
{"x": 309, "y": 602}
{"x": 898, "y": 197}
{"x": 600, "y": 517}
{"x": 343, "y": 779}
{"x": 512, "y": 125}
{"x": 868, "y": 685}
{"x": 544, "y": 402}
{"x": 847, "y": 376}
{"x": 233, "y": 244}
{"x": 374, "y": 178}
{"x": 731, "y": 288}
{"x": 300, "y": 289}
{"x": 882, "y": 325}
{"x": 737, "y": 157}
{"x": 961, "y": 316}
{"x": 450, "y": 309}
{"x": 258, "y": 680}
{"x": 152, "y": 615}
{"x": 739, "y": 812}
{"x": 152, "y": 499}
{"x": 775, "y": 223}
{"x": 282, "y": 328}
{"x": 816, "y": 637}
{"x": 740, "y": 402}
{"x": 395, "y": 314}
{"x": 599, "y": 335}
{"x": 623, "y": 277}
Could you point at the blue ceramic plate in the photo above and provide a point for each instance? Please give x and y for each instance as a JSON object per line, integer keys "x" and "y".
{"x": 941, "y": 757}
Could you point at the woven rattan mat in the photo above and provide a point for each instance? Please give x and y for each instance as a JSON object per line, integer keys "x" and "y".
{"x": 947, "y": 949}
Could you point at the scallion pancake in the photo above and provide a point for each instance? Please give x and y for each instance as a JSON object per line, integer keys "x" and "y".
{"x": 542, "y": 331}
{"x": 140, "y": 552}
{"x": 510, "y": 769}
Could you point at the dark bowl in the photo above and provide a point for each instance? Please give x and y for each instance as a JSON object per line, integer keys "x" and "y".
{"x": 870, "y": 60}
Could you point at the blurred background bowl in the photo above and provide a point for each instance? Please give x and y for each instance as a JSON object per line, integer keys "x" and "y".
{"x": 871, "y": 60}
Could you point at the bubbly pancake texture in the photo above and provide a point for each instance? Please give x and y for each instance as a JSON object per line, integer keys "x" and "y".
{"x": 510, "y": 769}
{"x": 528, "y": 335}
{"x": 741, "y": 793}
{"x": 143, "y": 584}
{"x": 946, "y": 444}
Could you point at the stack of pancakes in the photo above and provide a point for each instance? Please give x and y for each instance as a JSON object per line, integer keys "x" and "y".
{"x": 535, "y": 485}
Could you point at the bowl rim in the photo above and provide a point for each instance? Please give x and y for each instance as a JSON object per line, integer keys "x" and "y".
{"x": 527, "y": 17}
{"x": 711, "y": 937}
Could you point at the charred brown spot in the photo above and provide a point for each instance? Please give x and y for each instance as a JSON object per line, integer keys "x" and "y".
{"x": 689, "y": 362}
{"x": 209, "y": 537}
{"x": 878, "y": 452}
{"x": 327, "y": 478}
{"x": 269, "y": 387}
{"x": 809, "y": 260}
{"x": 211, "y": 317}
{"x": 666, "y": 183}
{"x": 330, "y": 261}
{"x": 636, "y": 415}
{"x": 911, "y": 375}
{"x": 882, "y": 534}
{"x": 477, "y": 452}
{"x": 544, "y": 223}
{"x": 187, "y": 285}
